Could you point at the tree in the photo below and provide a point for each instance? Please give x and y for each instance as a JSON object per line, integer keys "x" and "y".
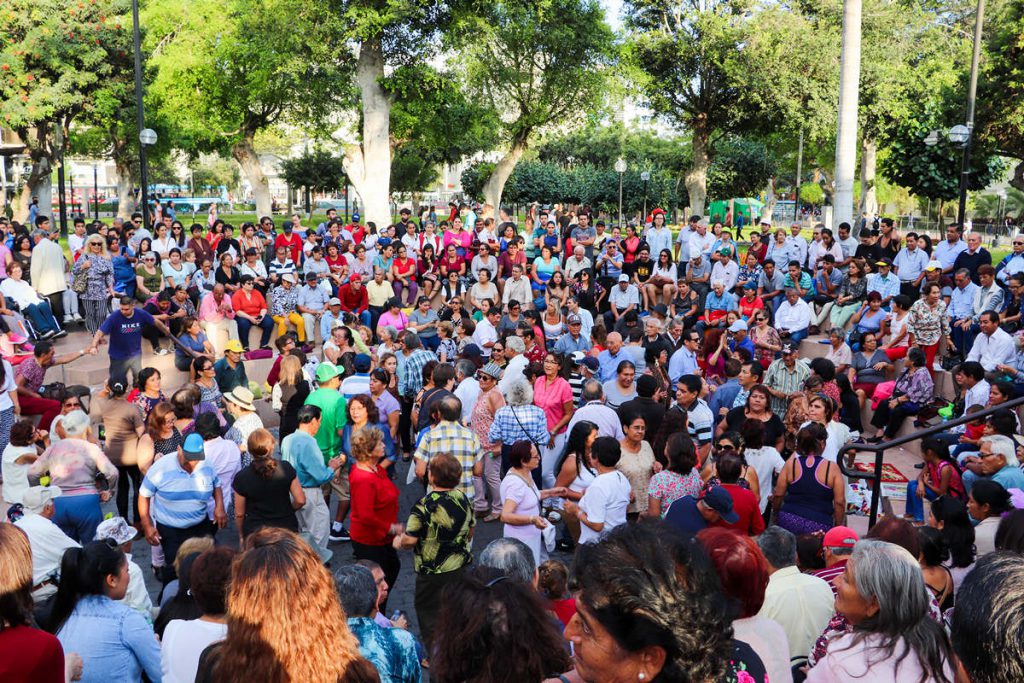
{"x": 1000, "y": 115}
{"x": 724, "y": 67}
{"x": 211, "y": 173}
{"x": 317, "y": 171}
{"x": 742, "y": 168}
{"x": 538, "y": 63}
{"x": 225, "y": 70}
{"x": 54, "y": 57}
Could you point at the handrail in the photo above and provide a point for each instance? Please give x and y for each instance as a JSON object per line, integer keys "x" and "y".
{"x": 875, "y": 477}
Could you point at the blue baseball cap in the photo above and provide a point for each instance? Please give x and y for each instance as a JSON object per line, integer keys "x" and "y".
{"x": 193, "y": 448}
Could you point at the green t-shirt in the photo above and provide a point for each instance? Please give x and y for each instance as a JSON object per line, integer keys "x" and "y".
{"x": 332, "y": 413}
{"x": 443, "y": 522}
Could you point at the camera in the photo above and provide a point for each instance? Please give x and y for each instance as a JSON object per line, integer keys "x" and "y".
{"x": 552, "y": 514}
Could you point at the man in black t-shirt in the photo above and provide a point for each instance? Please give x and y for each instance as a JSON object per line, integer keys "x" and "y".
{"x": 164, "y": 309}
{"x": 868, "y": 248}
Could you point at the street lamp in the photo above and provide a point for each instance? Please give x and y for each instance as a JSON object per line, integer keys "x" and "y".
{"x": 146, "y": 135}
{"x": 645, "y": 176}
{"x": 96, "y": 190}
{"x": 620, "y": 168}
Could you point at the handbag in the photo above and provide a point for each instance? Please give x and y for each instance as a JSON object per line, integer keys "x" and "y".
{"x": 79, "y": 282}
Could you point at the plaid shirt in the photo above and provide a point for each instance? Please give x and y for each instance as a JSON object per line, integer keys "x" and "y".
{"x": 410, "y": 372}
{"x": 519, "y": 423}
{"x": 781, "y": 378}
{"x": 459, "y": 442}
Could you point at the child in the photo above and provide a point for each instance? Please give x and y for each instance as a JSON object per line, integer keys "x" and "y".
{"x": 553, "y": 581}
{"x": 940, "y": 476}
{"x": 447, "y": 351}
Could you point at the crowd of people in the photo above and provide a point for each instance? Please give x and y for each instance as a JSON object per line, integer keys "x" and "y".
{"x": 632, "y": 396}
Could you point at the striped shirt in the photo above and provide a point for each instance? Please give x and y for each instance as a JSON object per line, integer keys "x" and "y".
{"x": 179, "y": 498}
{"x": 700, "y": 422}
{"x": 459, "y": 442}
{"x": 780, "y": 378}
{"x": 410, "y": 371}
{"x": 887, "y": 287}
{"x": 519, "y": 423}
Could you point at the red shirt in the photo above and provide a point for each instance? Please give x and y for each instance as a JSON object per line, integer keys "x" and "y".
{"x": 28, "y": 654}
{"x": 563, "y": 609}
{"x": 374, "y": 506}
{"x": 294, "y": 244}
{"x": 405, "y": 267}
{"x": 747, "y": 506}
{"x": 829, "y": 574}
{"x": 249, "y": 305}
{"x": 747, "y": 308}
{"x": 351, "y": 300}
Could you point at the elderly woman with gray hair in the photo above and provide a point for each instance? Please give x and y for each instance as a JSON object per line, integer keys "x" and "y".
{"x": 883, "y": 595}
{"x": 388, "y": 335}
{"x": 717, "y": 305}
{"x": 518, "y": 420}
{"x": 84, "y": 474}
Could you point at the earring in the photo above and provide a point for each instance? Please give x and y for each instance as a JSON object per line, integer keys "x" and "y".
{"x": 641, "y": 675}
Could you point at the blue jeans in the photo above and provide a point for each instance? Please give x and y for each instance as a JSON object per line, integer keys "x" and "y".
{"x": 364, "y": 318}
{"x": 78, "y": 516}
{"x": 431, "y": 343}
{"x": 915, "y": 505}
{"x": 267, "y": 325}
{"x": 42, "y": 317}
{"x": 963, "y": 339}
{"x": 797, "y": 336}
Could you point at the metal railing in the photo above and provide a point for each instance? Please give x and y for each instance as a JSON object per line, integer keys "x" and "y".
{"x": 875, "y": 477}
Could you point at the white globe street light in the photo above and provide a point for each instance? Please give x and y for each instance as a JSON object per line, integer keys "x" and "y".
{"x": 620, "y": 168}
{"x": 148, "y": 137}
{"x": 959, "y": 134}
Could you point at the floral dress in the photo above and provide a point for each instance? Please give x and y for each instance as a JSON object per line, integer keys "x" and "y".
{"x": 927, "y": 324}
{"x": 283, "y": 301}
{"x": 668, "y": 487}
{"x": 766, "y": 335}
{"x": 99, "y": 277}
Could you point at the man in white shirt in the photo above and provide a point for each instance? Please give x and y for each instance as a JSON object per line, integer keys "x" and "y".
{"x": 586, "y": 317}
{"x": 994, "y": 346}
{"x": 48, "y": 542}
{"x": 1011, "y": 264}
{"x": 604, "y": 504}
{"x": 517, "y": 362}
{"x": 801, "y": 603}
{"x": 798, "y": 246}
{"x": 725, "y": 269}
{"x": 701, "y": 241}
{"x": 578, "y": 262}
{"x": 686, "y": 233}
{"x": 517, "y": 287}
{"x": 486, "y": 332}
{"x": 793, "y": 317}
{"x": 468, "y": 388}
{"x": 848, "y": 245}
{"x": 77, "y": 240}
{"x": 622, "y": 298}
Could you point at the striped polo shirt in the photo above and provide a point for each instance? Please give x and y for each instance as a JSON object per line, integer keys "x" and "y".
{"x": 179, "y": 498}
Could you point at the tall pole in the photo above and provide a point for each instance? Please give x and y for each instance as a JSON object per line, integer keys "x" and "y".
{"x": 140, "y": 118}
{"x": 96, "y": 191}
{"x": 61, "y": 196}
{"x": 620, "y": 201}
{"x": 965, "y": 165}
{"x": 846, "y": 134}
{"x": 799, "y": 175}
{"x": 71, "y": 182}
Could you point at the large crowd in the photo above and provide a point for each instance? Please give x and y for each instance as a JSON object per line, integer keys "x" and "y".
{"x": 651, "y": 401}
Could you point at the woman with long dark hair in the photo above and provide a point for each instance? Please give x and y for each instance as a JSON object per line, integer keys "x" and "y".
{"x": 949, "y": 515}
{"x": 116, "y": 642}
{"x": 576, "y": 470}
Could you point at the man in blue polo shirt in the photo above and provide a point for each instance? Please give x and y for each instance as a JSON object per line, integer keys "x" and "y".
{"x": 178, "y": 489}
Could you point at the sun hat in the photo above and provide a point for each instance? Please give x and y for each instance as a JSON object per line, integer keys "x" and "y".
{"x": 241, "y": 397}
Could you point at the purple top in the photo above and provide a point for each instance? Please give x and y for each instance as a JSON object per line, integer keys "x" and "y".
{"x": 918, "y": 386}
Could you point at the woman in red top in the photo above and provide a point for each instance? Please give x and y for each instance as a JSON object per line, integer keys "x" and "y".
{"x": 374, "y": 512}
{"x": 251, "y": 311}
{"x": 750, "y": 303}
{"x": 26, "y": 653}
{"x": 452, "y": 262}
{"x": 403, "y": 270}
{"x": 335, "y": 261}
{"x": 630, "y": 245}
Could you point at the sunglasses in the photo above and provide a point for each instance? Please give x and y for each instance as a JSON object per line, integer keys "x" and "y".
{"x": 74, "y": 404}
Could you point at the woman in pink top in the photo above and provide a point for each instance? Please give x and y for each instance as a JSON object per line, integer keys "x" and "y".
{"x": 462, "y": 239}
{"x": 553, "y": 395}
{"x": 394, "y": 316}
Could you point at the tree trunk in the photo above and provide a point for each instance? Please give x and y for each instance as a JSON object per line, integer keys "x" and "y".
{"x": 495, "y": 185}
{"x": 1017, "y": 180}
{"x": 244, "y": 153}
{"x": 846, "y": 132}
{"x": 122, "y": 155}
{"x": 369, "y": 164}
{"x": 868, "y": 191}
{"x": 38, "y": 184}
{"x": 770, "y": 200}
{"x": 697, "y": 176}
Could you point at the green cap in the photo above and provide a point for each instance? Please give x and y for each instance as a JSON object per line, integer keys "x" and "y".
{"x": 325, "y": 372}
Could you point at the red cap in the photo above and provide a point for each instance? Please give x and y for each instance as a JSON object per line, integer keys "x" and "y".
{"x": 840, "y": 537}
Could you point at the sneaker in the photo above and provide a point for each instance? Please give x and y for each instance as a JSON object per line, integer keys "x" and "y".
{"x": 565, "y": 545}
{"x": 60, "y": 334}
{"x": 68, "y": 319}
{"x": 161, "y": 351}
{"x": 339, "y": 532}
{"x": 79, "y": 318}
{"x": 493, "y": 517}
{"x": 47, "y": 335}
{"x": 937, "y": 366}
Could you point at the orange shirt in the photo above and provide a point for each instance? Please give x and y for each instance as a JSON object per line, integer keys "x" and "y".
{"x": 251, "y": 305}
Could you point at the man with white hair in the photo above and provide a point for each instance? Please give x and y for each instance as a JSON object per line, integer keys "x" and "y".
{"x": 798, "y": 246}
{"x": 594, "y": 409}
{"x": 517, "y": 362}
{"x": 997, "y": 461}
{"x": 47, "y": 540}
{"x": 717, "y": 305}
{"x": 622, "y": 298}
{"x": 578, "y": 262}
{"x": 793, "y": 317}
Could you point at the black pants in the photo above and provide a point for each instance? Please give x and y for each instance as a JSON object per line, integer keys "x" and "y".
{"x": 891, "y": 418}
{"x": 151, "y": 333}
{"x": 387, "y": 557}
{"x": 405, "y": 435}
{"x": 429, "y": 590}
{"x": 56, "y": 304}
{"x": 910, "y": 290}
{"x": 171, "y": 539}
{"x": 128, "y": 474}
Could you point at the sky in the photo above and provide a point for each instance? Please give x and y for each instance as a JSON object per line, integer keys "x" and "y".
{"x": 613, "y": 9}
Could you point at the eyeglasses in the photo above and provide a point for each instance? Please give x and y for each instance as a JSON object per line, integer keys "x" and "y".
{"x": 73, "y": 404}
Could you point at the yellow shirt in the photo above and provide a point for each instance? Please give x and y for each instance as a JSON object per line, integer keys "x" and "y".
{"x": 379, "y": 295}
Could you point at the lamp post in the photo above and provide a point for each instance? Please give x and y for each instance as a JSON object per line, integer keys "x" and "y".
{"x": 146, "y": 135}
{"x": 620, "y": 168}
{"x": 96, "y": 190}
{"x": 645, "y": 176}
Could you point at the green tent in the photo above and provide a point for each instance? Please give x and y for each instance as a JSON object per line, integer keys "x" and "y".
{"x": 748, "y": 206}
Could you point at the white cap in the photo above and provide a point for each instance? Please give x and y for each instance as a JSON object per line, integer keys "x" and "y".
{"x": 933, "y": 265}
{"x": 623, "y": 278}
{"x": 738, "y": 326}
